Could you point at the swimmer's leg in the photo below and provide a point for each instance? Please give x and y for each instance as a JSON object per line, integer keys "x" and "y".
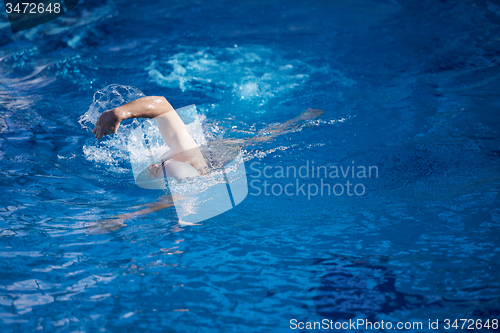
{"x": 281, "y": 128}
{"x": 275, "y": 130}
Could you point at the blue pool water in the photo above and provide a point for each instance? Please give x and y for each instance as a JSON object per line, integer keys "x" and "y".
{"x": 410, "y": 87}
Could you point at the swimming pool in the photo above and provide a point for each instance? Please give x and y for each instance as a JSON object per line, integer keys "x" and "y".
{"x": 408, "y": 87}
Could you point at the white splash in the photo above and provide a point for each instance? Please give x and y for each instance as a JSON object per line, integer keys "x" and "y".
{"x": 240, "y": 74}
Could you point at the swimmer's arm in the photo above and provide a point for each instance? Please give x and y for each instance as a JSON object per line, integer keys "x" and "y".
{"x": 144, "y": 107}
{"x": 118, "y": 221}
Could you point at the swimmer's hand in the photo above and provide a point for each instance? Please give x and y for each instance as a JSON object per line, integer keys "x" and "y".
{"x": 108, "y": 123}
{"x": 155, "y": 171}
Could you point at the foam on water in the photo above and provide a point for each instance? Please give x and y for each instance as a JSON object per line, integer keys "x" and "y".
{"x": 108, "y": 98}
{"x": 112, "y": 151}
{"x": 237, "y": 75}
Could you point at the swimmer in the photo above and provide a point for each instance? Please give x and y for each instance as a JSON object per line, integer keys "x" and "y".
{"x": 185, "y": 158}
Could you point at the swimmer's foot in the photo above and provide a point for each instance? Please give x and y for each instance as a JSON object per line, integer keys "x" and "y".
{"x": 310, "y": 114}
{"x": 290, "y": 125}
{"x": 302, "y": 119}
{"x": 274, "y": 130}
